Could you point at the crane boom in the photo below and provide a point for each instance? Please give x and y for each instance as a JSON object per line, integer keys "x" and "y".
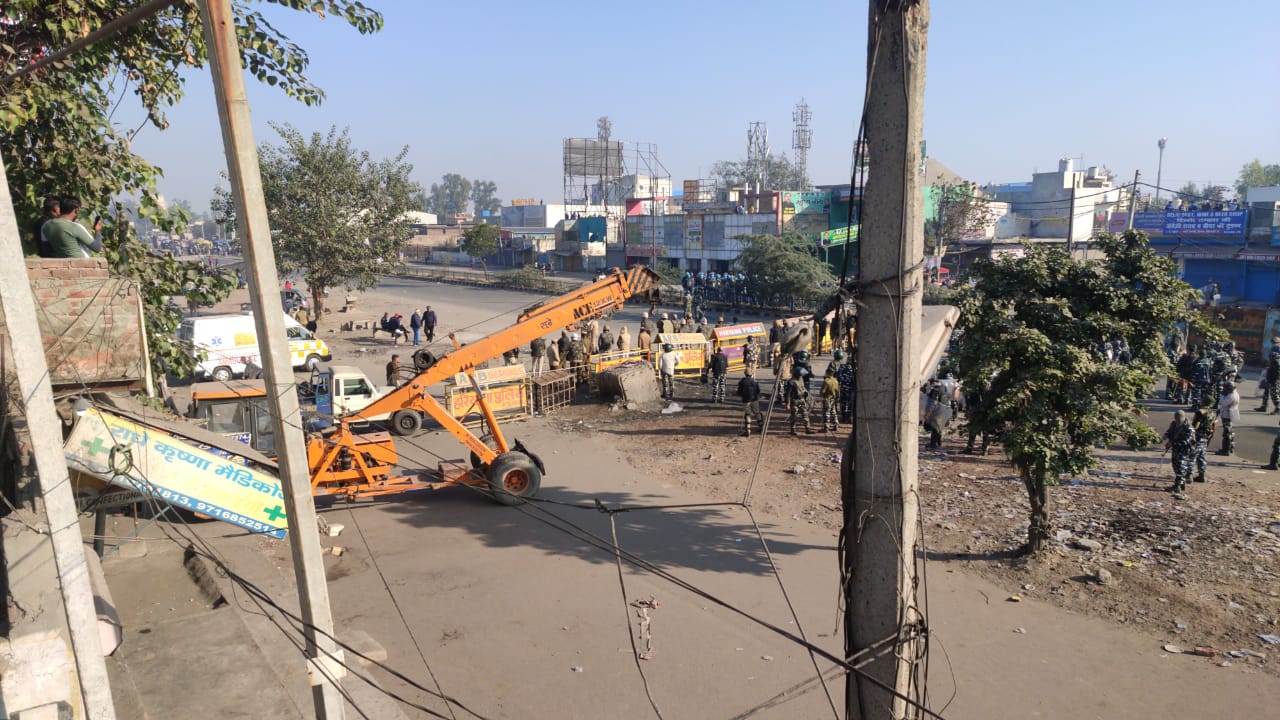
{"x": 407, "y": 403}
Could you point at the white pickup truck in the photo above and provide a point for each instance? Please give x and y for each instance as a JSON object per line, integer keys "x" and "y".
{"x": 345, "y": 389}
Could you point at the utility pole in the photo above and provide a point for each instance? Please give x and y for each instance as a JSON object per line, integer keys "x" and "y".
{"x": 1071, "y": 222}
{"x": 19, "y": 310}
{"x": 1160, "y": 166}
{"x": 1133, "y": 198}
{"x": 324, "y": 659}
{"x": 879, "y": 488}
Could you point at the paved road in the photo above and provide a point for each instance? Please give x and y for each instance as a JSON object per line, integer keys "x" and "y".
{"x": 1254, "y": 432}
{"x": 520, "y": 620}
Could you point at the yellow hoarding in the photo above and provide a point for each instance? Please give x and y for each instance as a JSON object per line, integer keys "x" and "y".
{"x": 167, "y": 467}
{"x": 691, "y": 349}
{"x": 512, "y": 399}
{"x": 492, "y": 376}
{"x": 733, "y": 338}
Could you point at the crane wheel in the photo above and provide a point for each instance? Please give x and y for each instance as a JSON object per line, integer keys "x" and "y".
{"x": 513, "y": 476}
{"x": 406, "y": 422}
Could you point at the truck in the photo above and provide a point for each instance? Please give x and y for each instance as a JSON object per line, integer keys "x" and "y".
{"x": 228, "y": 343}
{"x": 345, "y": 463}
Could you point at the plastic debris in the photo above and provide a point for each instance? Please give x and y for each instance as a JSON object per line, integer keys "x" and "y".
{"x": 1173, "y": 649}
{"x": 1269, "y": 639}
{"x": 1014, "y": 598}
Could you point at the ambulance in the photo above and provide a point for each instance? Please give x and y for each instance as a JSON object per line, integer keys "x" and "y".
{"x": 226, "y": 344}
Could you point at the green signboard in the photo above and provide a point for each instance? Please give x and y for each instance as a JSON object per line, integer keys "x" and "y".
{"x": 839, "y": 236}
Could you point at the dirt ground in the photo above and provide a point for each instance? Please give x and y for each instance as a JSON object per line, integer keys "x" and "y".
{"x": 1193, "y": 573}
{"x": 1201, "y": 572}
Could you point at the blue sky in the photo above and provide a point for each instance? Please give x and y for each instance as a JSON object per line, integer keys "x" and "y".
{"x": 489, "y": 88}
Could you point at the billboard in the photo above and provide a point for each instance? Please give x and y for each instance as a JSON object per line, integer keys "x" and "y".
{"x": 1191, "y": 223}
{"x": 839, "y": 236}
{"x": 812, "y": 202}
{"x": 592, "y": 158}
{"x": 174, "y": 471}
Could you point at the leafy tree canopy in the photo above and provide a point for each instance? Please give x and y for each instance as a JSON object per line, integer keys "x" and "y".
{"x": 784, "y": 266}
{"x": 484, "y": 196}
{"x": 450, "y": 196}
{"x": 58, "y": 137}
{"x": 1255, "y": 174}
{"x": 1030, "y": 336}
{"x": 337, "y": 215}
{"x": 480, "y": 241}
{"x": 962, "y": 213}
{"x": 780, "y": 174}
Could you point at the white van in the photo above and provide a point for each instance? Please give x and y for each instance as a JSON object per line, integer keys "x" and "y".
{"x": 230, "y": 342}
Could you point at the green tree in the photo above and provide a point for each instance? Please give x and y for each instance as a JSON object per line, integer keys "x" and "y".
{"x": 480, "y": 241}
{"x": 337, "y": 215}
{"x": 780, "y": 174}
{"x": 1255, "y": 174}
{"x": 963, "y": 212}
{"x": 1030, "y": 336}
{"x": 484, "y": 196}
{"x": 785, "y": 266}
{"x": 58, "y": 137}
{"x": 1189, "y": 192}
{"x": 450, "y": 196}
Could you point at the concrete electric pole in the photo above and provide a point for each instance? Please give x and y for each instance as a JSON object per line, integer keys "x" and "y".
{"x": 881, "y": 503}
{"x": 18, "y": 307}
{"x": 323, "y": 656}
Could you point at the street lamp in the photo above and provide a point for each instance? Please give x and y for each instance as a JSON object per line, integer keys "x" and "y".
{"x": 1160, "y": 166}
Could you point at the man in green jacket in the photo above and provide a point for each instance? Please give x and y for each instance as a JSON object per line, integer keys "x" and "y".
{"x": 67, "y": 238}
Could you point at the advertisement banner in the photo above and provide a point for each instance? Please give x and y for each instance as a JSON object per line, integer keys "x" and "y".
{"x": 1191, "y": 223}
{"x": 840, "y": 236}
{"x": 506, "y": 400}
{"x": 690, "y": 349}
{"x": 489, "y": 376}
{"x": 170, "y": 469}
{"x": 1229, "y": 223}
{"x": 811, "y": 202}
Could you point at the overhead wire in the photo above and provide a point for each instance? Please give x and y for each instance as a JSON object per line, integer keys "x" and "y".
{"x": 536, "y": 512}
{"x": 154, "y": 498}
{"x": 632, "y": 559}
{"x": 261, "y": 597}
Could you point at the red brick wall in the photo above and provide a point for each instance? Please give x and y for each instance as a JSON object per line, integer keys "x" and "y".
{"x": 89, "y": 322}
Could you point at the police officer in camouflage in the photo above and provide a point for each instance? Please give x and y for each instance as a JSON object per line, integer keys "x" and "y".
{"x": 718, "y": 369}
{"x": 1203, "y": 424}
{"x": 1180, "y": 440}
{"x": 798, "y": 400}
{"x": 845, "y": 376}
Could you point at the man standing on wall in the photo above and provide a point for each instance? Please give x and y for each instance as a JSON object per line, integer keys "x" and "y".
{"x": 67, "y": 238}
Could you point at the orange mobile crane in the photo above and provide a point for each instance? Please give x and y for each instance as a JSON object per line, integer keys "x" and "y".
{"x": 363, "y": 465}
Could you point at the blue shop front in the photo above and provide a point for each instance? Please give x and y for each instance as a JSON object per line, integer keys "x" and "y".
{"x": 1237, "y": 249}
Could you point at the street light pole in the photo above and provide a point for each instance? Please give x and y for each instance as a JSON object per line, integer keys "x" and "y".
{"x": 1160, "y": 166}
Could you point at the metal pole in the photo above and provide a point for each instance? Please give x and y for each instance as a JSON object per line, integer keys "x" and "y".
{"x": 18, "y": 308}
{"x": 878, "y": 475}
{"x": 1071, "y": 219}
{"x": 1133, "y": 198}
{"x": 323, "y": 657}
{"x": 1160, "y": 166}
